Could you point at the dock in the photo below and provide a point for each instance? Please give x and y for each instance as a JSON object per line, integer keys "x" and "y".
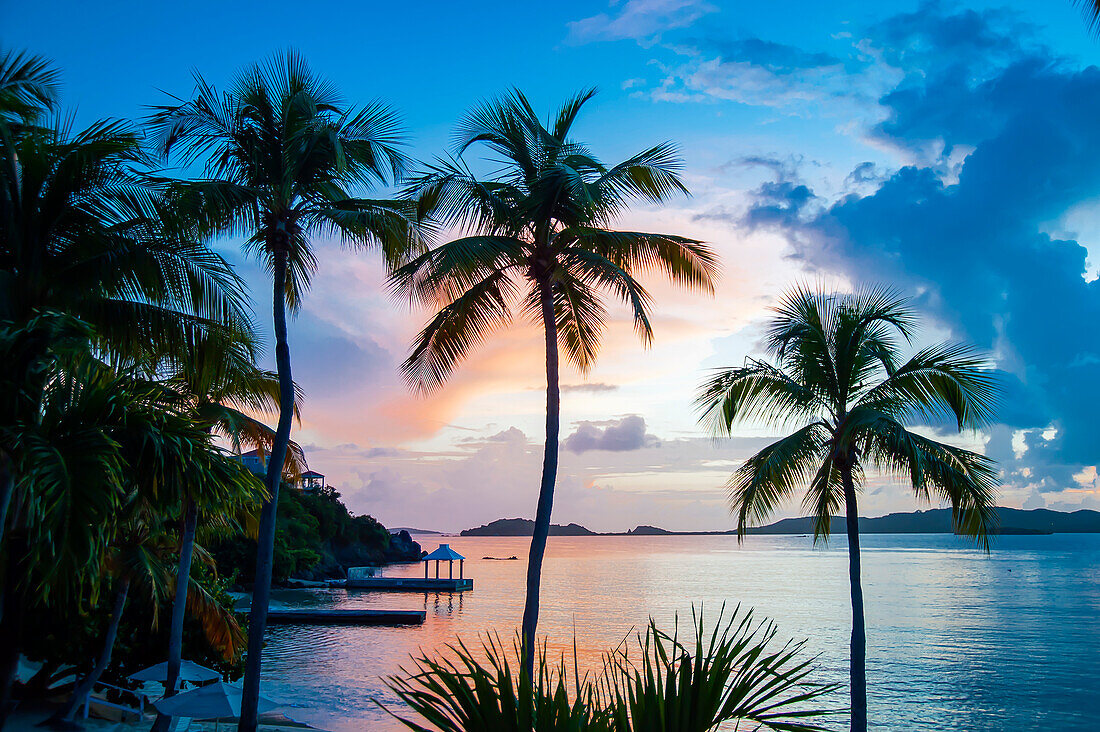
{"x": 412, "y": 584}
{"x": 345, "y": 617}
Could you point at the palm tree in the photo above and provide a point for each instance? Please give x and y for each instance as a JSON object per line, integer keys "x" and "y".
{"x": 282, "y": 153}
{"x": 82, "y": 237}
{"x": 839, "y": 374}
{"x": 539, "y": 242}
{"x": 217, "y": 381}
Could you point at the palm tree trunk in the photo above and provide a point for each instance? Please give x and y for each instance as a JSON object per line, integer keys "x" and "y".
{"x": 85, "y": 686}
{"x": 179, "y": 608}
{"x": 7, "y": 487}
{"x": 858, "y": 659}
{"x": 265, "y": 543}
{"x": 549, "y": 476}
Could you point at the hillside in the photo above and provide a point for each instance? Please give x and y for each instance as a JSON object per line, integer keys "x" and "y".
{"x": 318, "y": 538}
{"x": 933, "y": 521}
{"x": 525, "y": 527}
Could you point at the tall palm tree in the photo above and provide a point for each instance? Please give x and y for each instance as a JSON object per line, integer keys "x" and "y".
{"x": 282, "y": 154}
{"x": 838, "y": 372}
{"x": 217, "y": 382}
{"x": 539, "y": 243}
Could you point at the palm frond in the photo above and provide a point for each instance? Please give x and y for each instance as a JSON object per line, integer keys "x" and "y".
{"x": 757, "y": 390}
{"x": 773, "y": 475}
{"x": 459, "y": 326}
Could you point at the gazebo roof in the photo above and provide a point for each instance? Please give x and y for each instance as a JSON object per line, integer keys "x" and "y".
{"x": 312, "y": 474}
{"x": 445, "y": 553}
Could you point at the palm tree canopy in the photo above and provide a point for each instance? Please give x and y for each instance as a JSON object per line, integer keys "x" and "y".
{"x": 217, "y": 382}
{"x": 838, "y": 375}
{"x": 82, "y": 234}
{"x": 542, "y": 219}
{"x": 281, "y": 155}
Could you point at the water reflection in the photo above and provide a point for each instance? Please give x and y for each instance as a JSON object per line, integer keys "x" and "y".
{"x": 957, "y": 639}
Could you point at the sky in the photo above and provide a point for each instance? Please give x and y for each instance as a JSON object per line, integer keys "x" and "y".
{"x": 947, "y": 149}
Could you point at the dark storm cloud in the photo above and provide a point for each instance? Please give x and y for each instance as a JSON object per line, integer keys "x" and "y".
{"x": 970, "y": 238}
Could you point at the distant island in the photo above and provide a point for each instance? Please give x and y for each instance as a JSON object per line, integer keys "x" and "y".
{"x": 525, "y": 527}
{"x": 932, "y": 521}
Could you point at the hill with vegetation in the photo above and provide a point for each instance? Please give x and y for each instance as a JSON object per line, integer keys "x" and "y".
{"x": 318, "y": 538}
{"x": 525, "y": 527}
{"x": 933, "y": 521}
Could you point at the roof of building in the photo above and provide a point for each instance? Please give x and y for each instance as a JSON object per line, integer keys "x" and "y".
{"x": 444, "y": 552}
{"x": 312, "y": 474}
{"x": 251, "y": 453}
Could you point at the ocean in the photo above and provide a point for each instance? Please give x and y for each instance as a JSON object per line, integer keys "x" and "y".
{"x": 957, "y": 639}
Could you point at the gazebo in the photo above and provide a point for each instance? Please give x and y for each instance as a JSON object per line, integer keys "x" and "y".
{"x": 444, "y": 553}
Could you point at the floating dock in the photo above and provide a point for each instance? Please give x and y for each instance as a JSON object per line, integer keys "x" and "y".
{"x": 412, "y": 584}
{"x": 345, "y": 617}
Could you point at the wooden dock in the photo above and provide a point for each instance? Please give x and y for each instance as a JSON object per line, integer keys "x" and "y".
{"x": 345, "y": 617}
{"x": 412, "y": 584}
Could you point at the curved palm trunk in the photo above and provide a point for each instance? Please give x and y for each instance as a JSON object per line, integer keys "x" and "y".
{"x": 549, "y": 476}
{"x": 265, "y": 543}
{"x": 85, "y": 685}
{"x": 179, "y": 609}
{"x": 858, "y": 658}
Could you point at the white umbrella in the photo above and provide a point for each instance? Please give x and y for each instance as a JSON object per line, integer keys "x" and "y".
{"x": 190, "y": 672}
{"x": 214, "y": 701}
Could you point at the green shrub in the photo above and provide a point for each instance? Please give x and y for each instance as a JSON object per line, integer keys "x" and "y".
{"x": 733, "y": 673}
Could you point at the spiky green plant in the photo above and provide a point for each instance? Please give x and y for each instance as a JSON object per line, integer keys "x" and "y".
{"x": 539, "y": 244}
{"x": 840, "y": 374}
{"x": 466, "y": 691}
{"x": 734, "y": 672}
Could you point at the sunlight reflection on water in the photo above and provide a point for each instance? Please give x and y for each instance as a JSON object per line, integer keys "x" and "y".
{"x": 957, "y": 640}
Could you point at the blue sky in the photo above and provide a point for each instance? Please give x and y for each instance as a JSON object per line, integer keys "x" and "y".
{"x": 946, "y": 148}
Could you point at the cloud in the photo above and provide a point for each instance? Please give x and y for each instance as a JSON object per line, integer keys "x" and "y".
{"x": 1004, "y": 140}
{"x": 591, "y": 388}
{"x": 628, "y": 433}
{"x": 639, "y": 20}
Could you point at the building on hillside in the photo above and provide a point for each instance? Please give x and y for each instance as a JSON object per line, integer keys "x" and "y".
{"x": 311, "y": 482}
{"x": 254, "y": 461}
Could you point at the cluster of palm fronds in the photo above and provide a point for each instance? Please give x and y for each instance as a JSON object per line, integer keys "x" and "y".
{"x": 126, "y": 350}
{"x": 731, "y": 673}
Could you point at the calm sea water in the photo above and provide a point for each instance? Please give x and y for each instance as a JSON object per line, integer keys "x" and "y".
{"x": 957, "y": 639}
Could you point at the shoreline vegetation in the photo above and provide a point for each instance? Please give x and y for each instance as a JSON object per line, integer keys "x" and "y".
{"x": 1013, "y": 521}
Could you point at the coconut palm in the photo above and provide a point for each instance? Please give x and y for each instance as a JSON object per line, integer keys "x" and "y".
{"x": 282, "y": 154}
{"x": 141, "y": 557}
{"x": 83, "y": 238}
{"x": 539, "y": 243}
{"x": 838, "y": 373}
{"x": 217, "y": 382}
